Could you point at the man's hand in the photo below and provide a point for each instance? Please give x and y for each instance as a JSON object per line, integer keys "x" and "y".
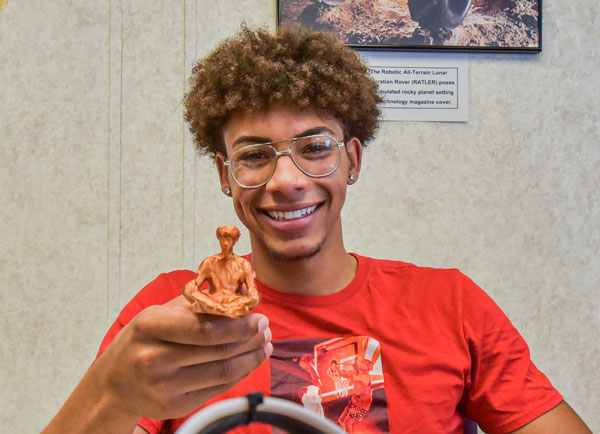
{"x": 168, "y": 360}
{"x": 164, "y": 364}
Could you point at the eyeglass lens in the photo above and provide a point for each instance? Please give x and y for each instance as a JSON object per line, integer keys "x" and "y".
{"x": 315, "y": 155}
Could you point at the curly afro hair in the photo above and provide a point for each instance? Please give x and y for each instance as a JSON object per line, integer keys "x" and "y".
{"x": 256, "y": 69}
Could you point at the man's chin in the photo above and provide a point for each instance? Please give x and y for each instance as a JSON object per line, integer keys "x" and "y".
{"x": 295, "y": 255}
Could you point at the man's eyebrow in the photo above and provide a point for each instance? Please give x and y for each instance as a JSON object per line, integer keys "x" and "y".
{"x": 250, "y": 139}
{"x": 315, "y": 131}
{"x": 260, "y": 139}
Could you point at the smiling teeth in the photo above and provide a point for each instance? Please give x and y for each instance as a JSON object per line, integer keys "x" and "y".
{"x": 291, "y": 215}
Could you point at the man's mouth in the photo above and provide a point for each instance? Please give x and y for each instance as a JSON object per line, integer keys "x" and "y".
{"x": 291, "y": 215}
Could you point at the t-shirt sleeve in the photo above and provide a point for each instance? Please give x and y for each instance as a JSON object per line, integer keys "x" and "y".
{"x": 164, "y": 288}
{"x": 505, "y": 390}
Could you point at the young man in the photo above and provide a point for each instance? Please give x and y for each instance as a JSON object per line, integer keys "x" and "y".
{"x": 286, "y": 117}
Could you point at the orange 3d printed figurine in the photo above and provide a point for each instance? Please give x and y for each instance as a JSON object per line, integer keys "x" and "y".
{"x": 231, "y": 287}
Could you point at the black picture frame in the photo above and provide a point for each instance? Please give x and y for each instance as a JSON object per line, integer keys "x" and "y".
{"x": 490, "y": 26}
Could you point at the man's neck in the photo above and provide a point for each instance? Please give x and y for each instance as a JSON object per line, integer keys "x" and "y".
{"x": 323, "y": 274}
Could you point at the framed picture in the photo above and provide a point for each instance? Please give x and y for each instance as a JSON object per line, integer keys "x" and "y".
{"x": 448, "y": 25}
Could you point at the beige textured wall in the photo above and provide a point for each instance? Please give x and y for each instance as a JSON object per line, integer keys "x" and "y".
{"x": 101, "y": 189}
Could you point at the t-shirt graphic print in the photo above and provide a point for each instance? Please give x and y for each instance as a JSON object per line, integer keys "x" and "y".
{"x": 339, "y": 378}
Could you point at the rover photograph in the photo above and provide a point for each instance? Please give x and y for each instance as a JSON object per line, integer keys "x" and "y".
{"x": 463, "y": 25}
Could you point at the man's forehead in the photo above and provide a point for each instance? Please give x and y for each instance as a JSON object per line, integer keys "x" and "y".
{"x": 279, "y": 123}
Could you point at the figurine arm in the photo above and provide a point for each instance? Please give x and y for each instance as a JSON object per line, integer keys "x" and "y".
{"x": 249, "y": 276}
{"x": 201, "y": 273}
{"x": 193, "y": 286}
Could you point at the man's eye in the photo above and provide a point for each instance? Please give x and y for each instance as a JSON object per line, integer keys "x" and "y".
{"x": 316, "y": 149}
{"x": 256, "y": 156}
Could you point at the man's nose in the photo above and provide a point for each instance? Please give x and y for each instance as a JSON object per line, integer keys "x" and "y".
{"x": 287, "y": 176}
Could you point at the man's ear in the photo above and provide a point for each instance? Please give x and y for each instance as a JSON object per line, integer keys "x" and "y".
{"x": 223, "y": 173}
{"x": 354, "y": 151}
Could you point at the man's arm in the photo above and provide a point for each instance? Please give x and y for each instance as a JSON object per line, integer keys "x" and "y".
{"x": 164, "y": 364}
{"x": 562, "y": 419}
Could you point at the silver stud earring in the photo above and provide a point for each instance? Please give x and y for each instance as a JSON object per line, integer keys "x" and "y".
{"x": 352, "y": 177}
{"x": 228, "y": 191}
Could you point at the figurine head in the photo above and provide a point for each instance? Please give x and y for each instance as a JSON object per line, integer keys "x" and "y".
{"x": 255, "y": 70}
{"x": 228, "y": 236}
{"x": 230, "y": 232}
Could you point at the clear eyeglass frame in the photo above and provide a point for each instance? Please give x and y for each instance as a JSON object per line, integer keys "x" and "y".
{"x": 287, "y": 151}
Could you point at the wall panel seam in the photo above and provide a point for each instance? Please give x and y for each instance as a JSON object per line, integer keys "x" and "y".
{"x": 189, "y": 156}
{"x": 114, "y": 172}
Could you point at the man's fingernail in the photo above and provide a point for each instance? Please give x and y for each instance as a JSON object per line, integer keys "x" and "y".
{"x": 268, "y": 335}
{"x": 263, "y": 323}
{"x": 268, "y": 349}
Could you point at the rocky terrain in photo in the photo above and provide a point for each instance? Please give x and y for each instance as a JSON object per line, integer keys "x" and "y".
{"x": 489, "y": 23}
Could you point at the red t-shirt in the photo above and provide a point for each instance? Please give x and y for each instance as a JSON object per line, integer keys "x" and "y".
{"x": 400, "y": 349}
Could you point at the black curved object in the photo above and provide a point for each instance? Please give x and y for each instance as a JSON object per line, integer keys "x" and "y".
{"x": 439, "y": 14}
{"x": 225, "y": 415}
{"x": 289, "y": 424}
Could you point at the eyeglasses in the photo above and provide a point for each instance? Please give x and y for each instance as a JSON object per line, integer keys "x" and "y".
{"x": 316, "y": 156}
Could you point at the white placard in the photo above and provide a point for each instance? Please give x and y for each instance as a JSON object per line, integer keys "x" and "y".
{"x": 420, "y": 87}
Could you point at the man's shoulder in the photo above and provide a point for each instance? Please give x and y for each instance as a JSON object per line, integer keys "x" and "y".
{"x": 436, "y": 282}
{"x": 386, "y": 263}
{"x": 391, "y": 266}
{"x": 164, "y": 287}
{"x": 175, "y": 277}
